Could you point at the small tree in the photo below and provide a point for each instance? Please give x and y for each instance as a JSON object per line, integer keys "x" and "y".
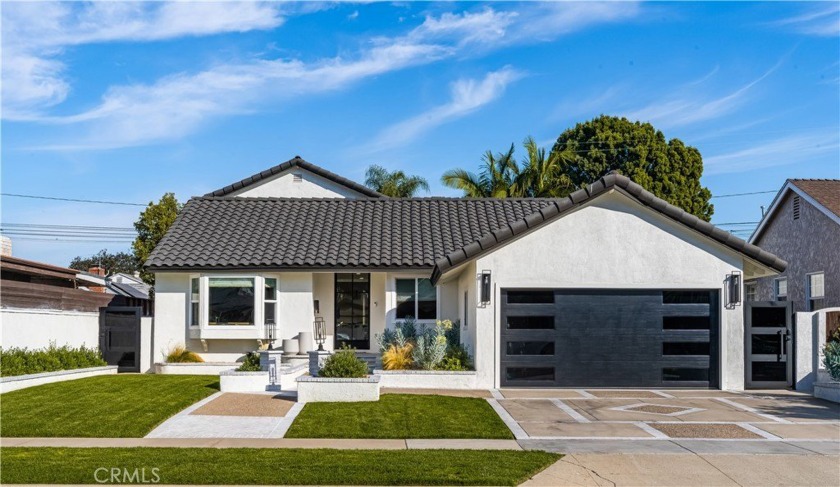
{"x": 113, "y": 263}
{"x": 394, "y": 184}
{"x": 151, "y": 226}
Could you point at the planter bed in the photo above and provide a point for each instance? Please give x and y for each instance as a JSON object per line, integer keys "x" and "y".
{"x": 828, "y": 390}
{"x": 428, "y": 379}
{"x": 195, "y": 368}
{"x": 258, "y": 381}
{"x": 328, "y": 389}
{"x": 15, "y": 382}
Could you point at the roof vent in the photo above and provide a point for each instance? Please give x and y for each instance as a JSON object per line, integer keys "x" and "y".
{"x": 297, "y": 177}
{"x": 796, "y": 207}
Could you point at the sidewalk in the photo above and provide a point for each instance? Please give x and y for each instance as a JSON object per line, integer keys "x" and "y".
{"x": 343, "y": 444}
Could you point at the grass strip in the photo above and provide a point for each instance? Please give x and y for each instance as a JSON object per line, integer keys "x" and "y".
{"x": 110, "y": 406}
{"x": 397, "y": 416}
{"x": 270, "y": 466}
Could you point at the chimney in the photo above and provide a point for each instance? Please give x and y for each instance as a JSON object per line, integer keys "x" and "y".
{"x": 97, "y": 271}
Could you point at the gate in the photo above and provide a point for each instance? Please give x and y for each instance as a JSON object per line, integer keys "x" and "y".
{"x": 768, "y": 344}
{"x": 119, "y": 337}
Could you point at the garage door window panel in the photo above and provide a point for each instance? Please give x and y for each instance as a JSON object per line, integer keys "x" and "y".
{"x": 686, "y": 348}
{"x": 686, "y": 322}
{"x": 685, "y": 297}
{"x": 685, "y": 374}
{"x": 538, "y": 322}
{"x": 531, "y": 297}
{"x": 530, "y": 348}
{"x": 530, "y": 373}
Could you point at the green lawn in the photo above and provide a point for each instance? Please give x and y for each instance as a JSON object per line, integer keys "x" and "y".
{"x": 115, "y": 406}
{"x": 273, "y": 466}
{"x": 401, "y": 416}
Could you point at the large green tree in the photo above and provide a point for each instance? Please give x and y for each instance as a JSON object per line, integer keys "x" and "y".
{"x": 395, "y": 184}
{"x": 112, "y": 262}
{"x": 669, "y": 169}
{"x": 151, "y": 226}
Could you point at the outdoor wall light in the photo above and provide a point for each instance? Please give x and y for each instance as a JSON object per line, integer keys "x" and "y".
{"x": 734, "y": 291}
{"x": 320, "y": 329}
{"x": 485, "y": 287}
{"x": 317, "y": 306}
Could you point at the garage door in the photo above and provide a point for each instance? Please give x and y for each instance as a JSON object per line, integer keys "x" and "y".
{"x": 609, "y": 338}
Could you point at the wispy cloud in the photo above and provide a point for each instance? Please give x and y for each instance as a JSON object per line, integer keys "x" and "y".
{"x": 178, "y": 104}
{"x": 821, "y": 21}
{"x": 794, "y": 149}
{"x": 466, "y": 96}
{"x": 687, "y": 106}
{"x": 36, "y": 33}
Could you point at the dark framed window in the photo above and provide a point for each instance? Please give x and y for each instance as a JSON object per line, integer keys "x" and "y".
{"x": 685, "y": 348}
{"x": 194, "y": 300}
{"x": 530, "y": 322}
{"x": 686, "y": 322}
{"x": 231, "y": 301}
{"x": 530, "y": 348}
{"x": 530, "y": 373}
{"x": 416, "y": 298}
{"x": 531, "y": 297}
{"x": 270, "y": 300}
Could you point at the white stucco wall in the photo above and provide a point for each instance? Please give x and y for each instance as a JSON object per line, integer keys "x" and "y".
{"x": 810, "y": 331}
{"x": 283, "y": 185}
{"x": 615, "y": 243}
{"x": 36, "y": 328}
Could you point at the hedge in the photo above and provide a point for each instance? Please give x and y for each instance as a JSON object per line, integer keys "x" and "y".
{"x": 21, "y": 361}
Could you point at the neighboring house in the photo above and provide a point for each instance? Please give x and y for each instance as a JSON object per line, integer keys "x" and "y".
{"x": 802, "y": 226}
{"x": 42, "y": 303}
{"x": 610, "y": 286}
{"x": 128, "y": 290}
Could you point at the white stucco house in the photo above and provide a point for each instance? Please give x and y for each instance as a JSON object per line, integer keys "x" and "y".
{"x": 610, "y": 286}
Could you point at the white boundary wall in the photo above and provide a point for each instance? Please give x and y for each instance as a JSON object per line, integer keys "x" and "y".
{"x": 427, "y": 379}
{"x": 16, "y": 382}
{"x": 809, "y": 328}
{"x": 36, "y": 328}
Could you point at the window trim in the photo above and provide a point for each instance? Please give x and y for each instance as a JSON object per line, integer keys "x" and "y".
{"x": 750, "y": 289}
{"x": 776, "y": 294}
{"x": 415, "y": 278}
{"x": 266, "y": 301}
{"x": 191, "y": 301}
{"x": 204, "y": 303}
{"x": 808, "y": 296}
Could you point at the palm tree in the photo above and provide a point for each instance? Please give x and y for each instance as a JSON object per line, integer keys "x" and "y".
{"x": 499, "y": 177}
{"x": 394, "y": 184}
{"x": 541, "y": 176}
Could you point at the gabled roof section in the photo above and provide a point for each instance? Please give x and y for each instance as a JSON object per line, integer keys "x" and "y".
{"x": 329, "y": 233}
{"x": 562, "y": 206}
{"x": 297, "y": 161}
{"x": 823, "y": 194}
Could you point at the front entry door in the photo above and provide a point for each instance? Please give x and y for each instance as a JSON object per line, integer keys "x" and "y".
{"x": 768, "y": 344}
{"x": 352, "y": 310}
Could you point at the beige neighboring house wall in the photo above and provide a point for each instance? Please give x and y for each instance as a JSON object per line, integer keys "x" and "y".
{"x": 809, "y": 244}
{"x": 296, "y": 183}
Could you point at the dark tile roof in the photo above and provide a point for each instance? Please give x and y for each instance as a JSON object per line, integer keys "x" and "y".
{"x": 825, "y": 191}
{"x": 375, "y": 233}
{"x": 296, "y": 162}
{"x": 127, "y": 290}
{"x": 560, "y": 206}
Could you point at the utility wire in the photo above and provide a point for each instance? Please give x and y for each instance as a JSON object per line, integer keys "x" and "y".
{"x": 71, "y": 199}
{"x": 743, "y": 194}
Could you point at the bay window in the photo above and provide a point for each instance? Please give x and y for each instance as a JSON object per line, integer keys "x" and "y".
{"x": 231, "y": 301}
{"x": 416, "y": 298}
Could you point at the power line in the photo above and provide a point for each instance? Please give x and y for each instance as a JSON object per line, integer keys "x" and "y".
{"x": 74, "y": 227}
{"x": 72, "y": 240}
{"x": 71, "y": 199}
{"x": 744, "y": 194}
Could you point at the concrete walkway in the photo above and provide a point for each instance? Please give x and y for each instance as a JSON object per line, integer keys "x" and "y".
{"x": 343, "y": 444}
{"x": 690, "y": 470}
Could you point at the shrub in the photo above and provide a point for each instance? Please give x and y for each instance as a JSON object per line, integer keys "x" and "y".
{"x": 251, "y": 363}
{"x": 21, "y": 361}
{"x": 397, "y": 358}
{"x": 402, "y": 334}
{"x": 457, "y": 358}
{"x": 430, "y": 345}
{"x": 180, "y": 355}
{"x": 831, "y": 360}
{"x": 344, "y": 364}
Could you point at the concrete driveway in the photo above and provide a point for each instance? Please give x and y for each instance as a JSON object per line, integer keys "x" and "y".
{"x": 670, "y": 421}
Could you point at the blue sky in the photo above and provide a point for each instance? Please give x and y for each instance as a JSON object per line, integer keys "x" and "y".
{"x": 126, "y": 101}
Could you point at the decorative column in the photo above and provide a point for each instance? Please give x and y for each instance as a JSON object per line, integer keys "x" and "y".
{"x": 316, "y": 361}
{"x": 270, "y": 360}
